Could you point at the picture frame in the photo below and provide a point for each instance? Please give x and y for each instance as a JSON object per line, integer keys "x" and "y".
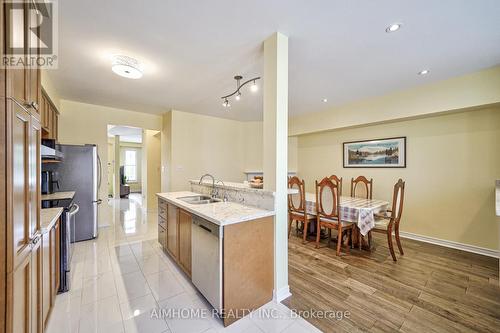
{"x": 376, "y": 153}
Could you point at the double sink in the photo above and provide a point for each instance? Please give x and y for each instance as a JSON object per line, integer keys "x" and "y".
{"x": 199, "y": 199}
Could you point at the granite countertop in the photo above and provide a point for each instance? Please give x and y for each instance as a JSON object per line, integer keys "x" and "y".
{"x": 221, "y": 213}
{"x": 48, "y": 217}
{"x": 58, "y": 196}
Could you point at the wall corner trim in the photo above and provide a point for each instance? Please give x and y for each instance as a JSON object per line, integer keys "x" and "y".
{"x": 281, "y": 294}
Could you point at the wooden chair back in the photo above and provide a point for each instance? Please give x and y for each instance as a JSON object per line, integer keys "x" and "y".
{"x": 328, "y": 195}
{"x": 338, "y": 180}
{"x": 398, "y": 198}
{"x": 296, "y": 202}
{"x": 361, "y": 187}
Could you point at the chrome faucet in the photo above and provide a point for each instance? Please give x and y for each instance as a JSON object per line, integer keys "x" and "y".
{"x": 224, "y": 197}
{"x": 213, "y": 183}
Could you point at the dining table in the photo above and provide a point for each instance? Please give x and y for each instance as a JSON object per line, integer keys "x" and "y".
{"x": 357, "y": 210}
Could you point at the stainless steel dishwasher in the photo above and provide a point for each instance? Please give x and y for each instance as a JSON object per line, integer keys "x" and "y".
{"x": 206, "y": 260}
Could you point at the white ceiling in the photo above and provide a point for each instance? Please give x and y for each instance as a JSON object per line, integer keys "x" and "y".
{"x": 338, "y": 49}
{"x": 126, "y": 133}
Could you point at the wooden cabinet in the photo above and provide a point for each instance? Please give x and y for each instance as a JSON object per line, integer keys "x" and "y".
{"x": 35, "y": 206}
{"x": 246, "y": 254}
{"x": 34, "y": 83}
{"x": 162, "y": 209}
{"x": 22, "y": 217}
{"x": 20, "y": 176}
{"x": 16, "y": 33}
{"x": 49, "y": 117}
{"x": 162, "y": 235}
{"x": 185, "y": 221}
{"x": 36, "y": 287}
{"x": 45, "y": 277}
{"x": 172, "y": 231}
{"x": 50, "y": 268}
{"x": 24, "y": 80}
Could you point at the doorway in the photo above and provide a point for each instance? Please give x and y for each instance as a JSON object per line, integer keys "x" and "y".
{"x": 134, "y": 164}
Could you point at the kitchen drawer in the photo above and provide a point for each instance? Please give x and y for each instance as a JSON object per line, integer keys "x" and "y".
{"x": 162, "y": 208}
{"x": 162, "y": 236}
{"x": 162, "y": 222}
{"x": 162, "y": 203}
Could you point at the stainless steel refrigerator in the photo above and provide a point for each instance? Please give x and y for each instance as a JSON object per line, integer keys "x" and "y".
{"x": 81, "y": 171}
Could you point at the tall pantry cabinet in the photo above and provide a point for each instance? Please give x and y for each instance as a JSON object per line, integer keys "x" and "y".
{"x": 20, "y": 136}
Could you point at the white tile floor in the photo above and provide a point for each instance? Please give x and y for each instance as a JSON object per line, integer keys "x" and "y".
{"x": 122, "y": 279}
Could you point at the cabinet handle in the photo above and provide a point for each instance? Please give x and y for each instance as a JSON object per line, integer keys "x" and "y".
{"x": 205, "y": 228}
{"x": 35, "y": 239}
{"x": 33, "y": 105}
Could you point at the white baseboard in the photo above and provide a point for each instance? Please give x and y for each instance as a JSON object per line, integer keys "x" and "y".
{"x": 281, "y": 294}
{"x": 451, "y": 244}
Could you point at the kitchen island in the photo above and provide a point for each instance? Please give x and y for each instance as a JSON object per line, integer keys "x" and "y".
{"x": 226, "y": 248}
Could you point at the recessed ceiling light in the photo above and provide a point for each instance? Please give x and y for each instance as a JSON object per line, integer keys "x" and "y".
{"x": 423, "y": 72}
{"x": 126, "y": 66}
{"x": 393, "y": 27}
{"x": 325, "y": 100}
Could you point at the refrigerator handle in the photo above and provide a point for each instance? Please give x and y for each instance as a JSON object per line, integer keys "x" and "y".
{"x": 100, "y": 172}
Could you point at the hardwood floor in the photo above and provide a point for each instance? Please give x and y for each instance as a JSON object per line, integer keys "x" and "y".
{"x": 429, "y": 289}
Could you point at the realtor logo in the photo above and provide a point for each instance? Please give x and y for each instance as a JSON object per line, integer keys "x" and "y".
{"x": 31, "y": 34}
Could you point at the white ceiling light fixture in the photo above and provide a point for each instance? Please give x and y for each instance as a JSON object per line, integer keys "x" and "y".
{"x": 423, "y": 72}
{"x": 127, "y": 67}
{"x": 325, "y": 100}
{"x": 393, "y": 27}
{"x": 253, "y": 88}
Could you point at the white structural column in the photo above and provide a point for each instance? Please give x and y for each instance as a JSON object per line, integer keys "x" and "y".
{"x": 116, "y": 168}
{"x": 276, "y": 151}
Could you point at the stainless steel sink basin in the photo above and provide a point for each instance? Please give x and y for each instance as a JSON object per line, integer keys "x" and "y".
{"x": 198, "y": 199}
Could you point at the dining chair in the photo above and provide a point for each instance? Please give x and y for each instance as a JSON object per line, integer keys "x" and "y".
{"x": 297, "y": 207}
{"x": 328, "y": 193}
{"x": 390, "y": 221}
{"x": 334, "y": 178}
{"x": 361, "y": 187}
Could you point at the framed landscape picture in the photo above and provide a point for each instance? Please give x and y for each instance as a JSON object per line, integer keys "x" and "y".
{"x": 381, "y": 153}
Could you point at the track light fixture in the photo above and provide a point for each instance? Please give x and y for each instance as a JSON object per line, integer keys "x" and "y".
{"x": 253, "y": 88}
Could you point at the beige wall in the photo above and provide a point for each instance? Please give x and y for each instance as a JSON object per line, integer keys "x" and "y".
{"x": 194, "y": 144}
{"x": 253, "y": 141}
{"x": 203, "y": 144}
{"x": 452, "y": 162}
{"x": 468, "y": 91}
{"x": 252, "y": 145}
{"x": 48, "y": 85}
{"x": 81, "y": 123}
{"x": 166, "y": 151}
{"x": 151, "y": 178}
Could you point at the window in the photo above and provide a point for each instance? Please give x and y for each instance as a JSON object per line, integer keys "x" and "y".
{"x": 131, "y": 165}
